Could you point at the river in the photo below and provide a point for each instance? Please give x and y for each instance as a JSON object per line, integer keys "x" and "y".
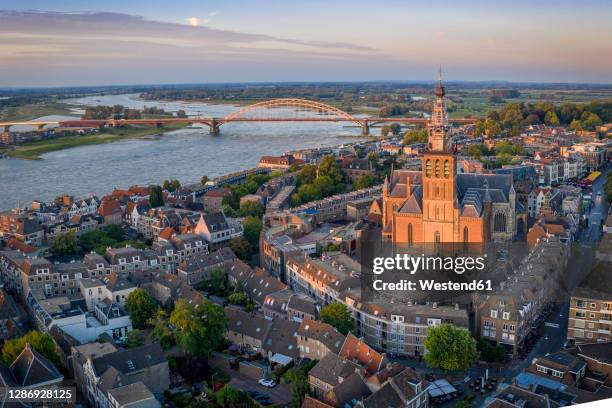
{"x": 184, "y": 154}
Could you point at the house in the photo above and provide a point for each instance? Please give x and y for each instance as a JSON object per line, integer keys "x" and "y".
{"x": 406, "y": 389}
{"x": 356, "y": 350}
{"x": 196, "y": 268}
{"x": 279, "y": 162}
{"x": 247, "y": 331}
{"x": 213, "y": 199}
{"x": 24, "y": 227}
{"x": 316, "y": 339}
{"x": 113, "y": 288}
{"x": 216, "y": 229}
{"x": 330, "y": 371}
{"x": 110, "y": 210}
{"x": 79, "y": 356}
{"x": 30, "y": 370}
{"x": 146, "y": 365}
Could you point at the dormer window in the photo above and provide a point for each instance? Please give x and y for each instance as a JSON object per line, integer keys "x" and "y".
{"x": 136, "y": 259}
{"x": 99, "y": 266}
{"x": 494, "y": 314}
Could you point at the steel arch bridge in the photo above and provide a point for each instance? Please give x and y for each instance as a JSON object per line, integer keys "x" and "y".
{"x": 275, "y": 110}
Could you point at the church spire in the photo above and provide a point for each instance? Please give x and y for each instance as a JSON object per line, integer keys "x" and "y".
{"x": 438, "y": 125}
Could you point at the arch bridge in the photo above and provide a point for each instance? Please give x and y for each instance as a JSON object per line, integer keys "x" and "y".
{"x": 275, "y": 110}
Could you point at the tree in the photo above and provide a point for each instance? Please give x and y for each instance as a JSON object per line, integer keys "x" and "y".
{"x": 299, "y": 385}
{"x": 577, "y": 125}
{"x": 338, "y": 315}
{"x": 218, "y": 281}
{"x": 162, "y": 331}
{"x": 476, "y": 150}
{"x": 141, "y": 307}
{"x": 171, "y": 185}
{"x": 365, "y": 181}
{"x": 241, "y": 248}
{"x": 395, "y": 128}
{"x": 204, "y": 180}
{"x": 325, "y": 185}
{"x": 229, "y": 397}
{"x": 199, "y": 329}
{"x": 415, "y": 136}
{"x": 551, "y": 118}
{"x": 330, "y": 167}
{"x": 449, "y": 348}
{"x": 156, "y": 196}
{"x": 306, "y": 175}
{"x": 252, "y": 228}
{"x": 41, "y": 342}
{"x": 181, "y": 113}
{"x": 251, "y": 208}
{"x": 238, "y": 298}
{"x": 65, "y": 244}
{"x": 592, "y": 121}
{"x": 489, "y": 352}
{"x": 135, "y": 338}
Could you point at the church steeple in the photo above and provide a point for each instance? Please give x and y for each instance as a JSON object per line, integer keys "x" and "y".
{"x": 438, "y": 125}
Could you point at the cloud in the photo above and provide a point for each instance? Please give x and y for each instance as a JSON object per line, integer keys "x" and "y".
{"x": 194, "y": 21}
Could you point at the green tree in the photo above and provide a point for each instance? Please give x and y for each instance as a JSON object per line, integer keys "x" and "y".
{"x": 449, "y": 348}
{"x": 41, "y": 342}
{"x": 308, "y": 192}
{"x": 415, "y": 136}
{"x": 135, "y": 338}
{"x": 551, "y": 119}
{"x": 229, "y": 397}
{"x": 364, "y": 181}
{"x": 307, "y": 174}
{"x": 156, "y": 196}
{"x": 476, "y": 150}
{"x": 252, "y": 228}
{"x": 171, "y": 185}
{"x": 338, "y": 315}
{"x": 577, "y": 125}
{"x": 238, "y": 298}
{"x": 325, "y": 185}
{"x": 330, "y": 167}
{"x": 199, "y": 329}
{"x": 299, "y": 385}
{"x": 251, "y": 209}
{"x": 162, "y": 331}
{"x": 241, "y": 248}
{"x": 592, "y": 121}
{"x": 395, "y": 129}
{"x": 217, "y": 282}
{"x": 204, "y": 180}
{"x": 141, "y": 307}
{"x": 66, "y": 244}
{"x": 181, "y": 113}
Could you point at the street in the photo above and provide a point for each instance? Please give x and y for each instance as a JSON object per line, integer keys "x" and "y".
{"x": 598, "y": 211}
{"x": 280, "y": 395}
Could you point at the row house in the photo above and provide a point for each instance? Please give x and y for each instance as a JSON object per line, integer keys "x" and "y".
{"x": 144, "y": 370}
{"x": 123, "y": 261}
{"x": 78, "y": 224}
{"x": 88, "y": 206}
{"x": 355, "y": 168}
{"x": 288, "y": 305}
{"x": 25, "y": 228}
{"x": 391, "y": 328}
{"x": 167, "y": 288}
{"x": 317, "y": 339}
{"x": 196, "y": 268}
{"x": 276, "y": 339}
{"x": 515, "y": 310}
{"x": 217, "y": 230}
{"x": 40, "y": 275}
{"x": 171, "y": 252}
{"x": 113, "y": 287}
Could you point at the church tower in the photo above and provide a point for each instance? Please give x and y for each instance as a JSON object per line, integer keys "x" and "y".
{"x": 438, "y": 175}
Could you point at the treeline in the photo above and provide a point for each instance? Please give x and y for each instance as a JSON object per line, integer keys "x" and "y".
{"x": 515, "y": 115}
{"x": 111, "y": 112}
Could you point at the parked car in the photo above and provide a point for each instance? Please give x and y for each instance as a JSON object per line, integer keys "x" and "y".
{"x": 266, "y": 382}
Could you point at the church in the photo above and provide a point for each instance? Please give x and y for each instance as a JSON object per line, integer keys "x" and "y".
{"x": 437, "y": 205}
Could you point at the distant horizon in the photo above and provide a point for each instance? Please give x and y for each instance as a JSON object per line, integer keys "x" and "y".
{"x": 84, "y": 43}
{"x": 288, "y": 82}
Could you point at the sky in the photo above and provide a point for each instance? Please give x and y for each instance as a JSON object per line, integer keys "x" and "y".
{"x": 83, "y": 42}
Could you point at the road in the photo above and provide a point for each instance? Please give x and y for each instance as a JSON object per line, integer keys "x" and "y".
{"x": 598, "y": 211}
{"x": 280, "y": 395}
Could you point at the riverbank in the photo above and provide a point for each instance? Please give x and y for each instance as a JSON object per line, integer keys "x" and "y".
{"x": 34, "y": 110}
{"x": 33, "y": 150}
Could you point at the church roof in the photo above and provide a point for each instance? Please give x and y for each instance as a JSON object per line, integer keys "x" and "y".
{"x": 413, "y": 204}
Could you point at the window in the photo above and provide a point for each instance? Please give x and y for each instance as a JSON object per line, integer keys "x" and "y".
{"x": 506, "y": 315}
{"x": 410, "y": 237}
{"x": 437, "y": 170}
{"x": 437, "y": 241}
{"x": 428, "y": 168}
{"x": 494, "y": 314}
{"x": 499, "y": 224}
{"x": 446, "y": 169}
{"x": 581, "y": 303}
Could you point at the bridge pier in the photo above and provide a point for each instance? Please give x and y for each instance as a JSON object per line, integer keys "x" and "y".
{"x": 365, "y": 128}
{"x": 214, "y": 127}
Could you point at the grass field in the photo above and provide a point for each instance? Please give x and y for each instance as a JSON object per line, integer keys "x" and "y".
{"x": 31, "y": 111}
{"x": 33, "y": 150}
